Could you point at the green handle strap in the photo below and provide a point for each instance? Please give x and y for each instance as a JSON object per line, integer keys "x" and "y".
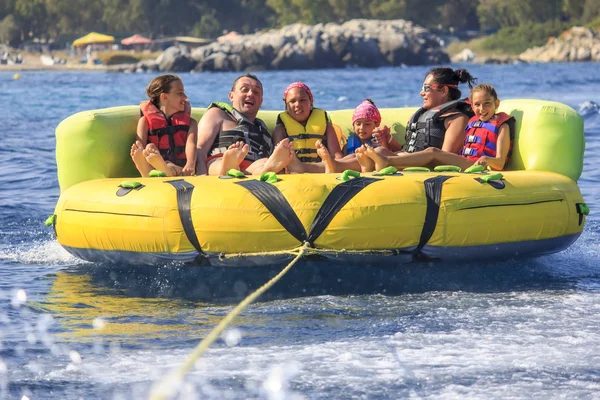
{"x": 349, "y": 174}
{"x": 474, "y": 169}
{"x": 416, "y": 169}
{"x": 269, "y": 177}
{"x": 583, "y": 208}
{"x": 236, "y": 174}
{"x": 447, "y": 168}
{"x": 130, "y": 184}
{"x": 156, "y": 174}
{"x": 391, "y": 170}
{"x": 50, "y": 220}
{"x": 492, "y": 177}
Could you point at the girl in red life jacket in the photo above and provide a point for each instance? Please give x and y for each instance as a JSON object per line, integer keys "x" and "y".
{"x": 488, "y": 139}
{"x": 166, "y": 134}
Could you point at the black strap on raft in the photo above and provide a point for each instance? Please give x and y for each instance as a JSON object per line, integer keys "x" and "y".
{"x": 273, "y": 199}
{"x": 337, "y": 199}
{"x": 433, "y": 192}
{"x": 184, "y": 201}
{"x": 495, "y": 183}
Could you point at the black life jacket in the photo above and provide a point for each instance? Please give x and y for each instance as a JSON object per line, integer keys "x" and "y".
{"x": 256, "y": 135}
{"x": 426, "y": 127}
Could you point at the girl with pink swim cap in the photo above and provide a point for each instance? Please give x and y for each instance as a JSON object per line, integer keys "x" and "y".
{"x": 365, "y": 121}
{"x": 305, "y": 125}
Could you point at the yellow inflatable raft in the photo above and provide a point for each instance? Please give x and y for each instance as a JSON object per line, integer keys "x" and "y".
{"x": 105, "y": 214}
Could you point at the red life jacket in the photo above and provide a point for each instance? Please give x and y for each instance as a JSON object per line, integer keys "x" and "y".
{"x": 482, "y": 136}
{"x": 168, "y": 135}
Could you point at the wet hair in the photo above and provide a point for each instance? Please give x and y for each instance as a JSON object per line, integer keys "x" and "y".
{"x": 485, "y": 87}
{"x": 159, "y": 85}
{"x": 253, "y": 77}
{"x": 448, "y": 76}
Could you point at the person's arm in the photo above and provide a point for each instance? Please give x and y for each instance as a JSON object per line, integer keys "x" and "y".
{"x": 190, "y": 149}
{"x": 279, "y": 134}
{"x": 455, "y": 132}
{"x": 385, "y": 138}
{"x": 502, "y": 146}
{"x": 208, "y": 128}
{"x": 142, "y": 131}
{"x": 333, "y": 145}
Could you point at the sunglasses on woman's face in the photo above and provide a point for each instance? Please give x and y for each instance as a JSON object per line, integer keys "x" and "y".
{"x": 427, "y": 88}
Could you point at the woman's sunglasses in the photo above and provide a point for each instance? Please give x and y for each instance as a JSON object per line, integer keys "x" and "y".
{"x": 427, "y": 88}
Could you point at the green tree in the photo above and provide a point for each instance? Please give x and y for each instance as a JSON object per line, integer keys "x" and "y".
{"x": 304, "y": 11}
{"x": 9, "y": 31}
{"x": 591, "y": 10}
{"x": 573, "y": 9}
{"x": 460, "y": 14}
{"x": 32, "y": 17}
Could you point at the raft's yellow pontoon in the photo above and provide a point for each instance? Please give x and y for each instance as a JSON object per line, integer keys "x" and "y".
{"x": 536, "y": 208}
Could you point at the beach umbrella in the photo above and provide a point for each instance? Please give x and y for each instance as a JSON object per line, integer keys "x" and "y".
{"x": 93, "y": 38}
{"x": 135, "y": 39}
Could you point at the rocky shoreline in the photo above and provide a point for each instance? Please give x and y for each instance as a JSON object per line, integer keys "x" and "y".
{"x": 577, "y": 44}
{"x": 357, "y": 43}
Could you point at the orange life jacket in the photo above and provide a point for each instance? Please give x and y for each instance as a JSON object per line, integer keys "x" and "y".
{"x": 169, "y": 135}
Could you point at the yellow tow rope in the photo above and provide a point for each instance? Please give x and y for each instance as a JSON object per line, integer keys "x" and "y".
{"x": 168, "y": 386}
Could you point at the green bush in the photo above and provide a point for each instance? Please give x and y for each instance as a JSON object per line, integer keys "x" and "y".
{"x": 515, "y": 40}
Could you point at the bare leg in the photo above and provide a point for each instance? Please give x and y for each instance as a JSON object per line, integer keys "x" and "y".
{"x": 137, "y": 155}
{"x": 232, "y": 158}
{"x": 281, "y": 157}
{"x": 298, "y": 167}
{"x": 366, "y": 163}
{"x": 155, "y": 159}
{"x": 328, "y": 161}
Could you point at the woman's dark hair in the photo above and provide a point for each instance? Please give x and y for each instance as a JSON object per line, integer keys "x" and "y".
{"x": 448, "y": 76}
{"x": 160, "y": 84}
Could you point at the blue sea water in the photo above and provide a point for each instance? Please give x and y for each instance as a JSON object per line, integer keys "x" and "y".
{"x": 516, "y": 329}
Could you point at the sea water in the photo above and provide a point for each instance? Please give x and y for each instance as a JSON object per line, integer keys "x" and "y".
{"x": 516, "y": 329}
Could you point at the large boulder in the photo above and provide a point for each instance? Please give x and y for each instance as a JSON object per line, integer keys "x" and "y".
{"x": 575, "y": 44}
{"x": 177, "y": 59}
{"x": 362, "y": 43}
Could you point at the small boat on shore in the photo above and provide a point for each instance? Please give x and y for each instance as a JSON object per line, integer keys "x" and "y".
{"x": 107, "y": 213}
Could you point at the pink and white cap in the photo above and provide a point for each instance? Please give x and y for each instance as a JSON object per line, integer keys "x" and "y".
{"x": 300, "y": 85}
{"x": 366, "y": 110}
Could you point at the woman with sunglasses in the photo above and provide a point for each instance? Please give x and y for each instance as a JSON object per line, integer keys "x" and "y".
{"x": 442, "y": 120}
{"x": 439, "y": 123}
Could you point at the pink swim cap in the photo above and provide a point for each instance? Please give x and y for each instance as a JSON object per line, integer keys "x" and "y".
{"x": 300, "y": 85}
{"x": 366, "y": 110}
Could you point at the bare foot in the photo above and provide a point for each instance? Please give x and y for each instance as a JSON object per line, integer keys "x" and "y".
{"x": 233, "y": 157}
{"x": 281, "y": 157}
{"x": 137, "y": 155}
{"x": 328, "y": 161}
{"x": 380, "y": 161}
{"x": 366, "y": 164}
{"x": 155, "y": 159}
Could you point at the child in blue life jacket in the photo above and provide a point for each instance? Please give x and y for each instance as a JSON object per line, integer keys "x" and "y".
{"x": 488, "y": 139}
{"x": 166, "y": 134}
{"x": 365, "y": 121}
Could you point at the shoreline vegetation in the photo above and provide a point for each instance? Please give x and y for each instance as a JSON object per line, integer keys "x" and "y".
{"x": 571, "y": 45}
{"x": 491, "y": 31}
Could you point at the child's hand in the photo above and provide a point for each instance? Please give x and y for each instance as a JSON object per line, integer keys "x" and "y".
{"x": 187, "y": 107}
{"x": 188, "y": 170}
{"x": 483, "y": 161}
{"x": 382, "y": 134}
